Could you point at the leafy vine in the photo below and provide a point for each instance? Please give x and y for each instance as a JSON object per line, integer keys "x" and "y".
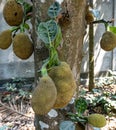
{"x": 50, "y": 33}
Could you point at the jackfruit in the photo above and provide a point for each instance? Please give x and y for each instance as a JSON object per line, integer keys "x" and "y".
{"x": 97, "y": 120}
{"x": 108, "y": 41}
{"x": 89, "y": 17}
{"x": 13, "y": 13}
{"x": 44, "y": 96}
{"x": 5, "y": 39}
{"x": 22, "y": 46}
{"x": 64, "y": 82}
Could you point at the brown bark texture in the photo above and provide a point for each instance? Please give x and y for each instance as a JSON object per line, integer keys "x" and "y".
{"x": 73, "y": 30}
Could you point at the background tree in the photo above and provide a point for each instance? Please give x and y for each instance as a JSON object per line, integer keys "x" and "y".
{"x": 73, "y": 29}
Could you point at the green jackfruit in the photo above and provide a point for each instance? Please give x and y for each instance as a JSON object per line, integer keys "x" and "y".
{"x": 108, "y": 41}
{"x": 5, "y": 39}
{"x": 22, "y": 46}
{"x": 89, "y": 17}
{"x": 44, "y": 96}
{"x": 97, "y": 120}
{"x": 13, "y": 13}
{"x": 64, "y": 82}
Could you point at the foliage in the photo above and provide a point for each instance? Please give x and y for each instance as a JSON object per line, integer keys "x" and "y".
{"x": 105, "y": 97}
{"x": 80, "y": 107}
{"x": 107, "y": 80}
{"x": 112, "y": 29}
{"x": 16, "y": 89}
{"x": 104, "y": 101}
{"x": 50, "y": 33}
{"x": 101, "y": 99}
{"x": 47, "y": 31}
{"x": 54, "y": 10}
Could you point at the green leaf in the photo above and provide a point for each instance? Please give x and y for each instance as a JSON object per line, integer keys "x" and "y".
{"x": 20, "y": 1}
{"x": 76, "y": 118}
{"x": 67, "y": 125}
{"x": 58, "y": 38}
{"x": 26, "y": 26}
{"x": 80, "y": 105}
{"x": 73, "y": 116}
{"x": 112, "y": 29}
{"x": 27, "y": 7}
{"x": 54, "y": 10}
{"x": 47, "y": 31}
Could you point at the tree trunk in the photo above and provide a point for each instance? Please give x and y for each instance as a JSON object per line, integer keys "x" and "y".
{"x": 73, "y": 30}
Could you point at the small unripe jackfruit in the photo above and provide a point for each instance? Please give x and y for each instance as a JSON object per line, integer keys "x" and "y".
{"x": 13, "y": 13}
{"x": 64, "y": 82}
{"x": 108, "y": 41}
{"x": 44, "y": 96}
{"x": 5, "y": 39}
{"x": 97, "y": 120}
{"x": 22, "y": 46}
{"x": 89, "y": 17}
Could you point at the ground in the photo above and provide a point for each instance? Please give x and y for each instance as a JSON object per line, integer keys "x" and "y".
{"x": 17, "y": 114}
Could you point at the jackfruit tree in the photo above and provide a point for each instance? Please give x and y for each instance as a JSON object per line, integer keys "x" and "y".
{"x": 65, "y": 73}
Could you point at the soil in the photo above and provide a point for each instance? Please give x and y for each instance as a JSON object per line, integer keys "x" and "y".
{"x": 21, "y": 116}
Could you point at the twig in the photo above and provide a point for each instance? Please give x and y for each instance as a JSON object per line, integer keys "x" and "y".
{"x": 7, "y": 116}
{"x": 102, "y": 21}
{"x": 13, "y": 110}
{"x": 1, "y": 111}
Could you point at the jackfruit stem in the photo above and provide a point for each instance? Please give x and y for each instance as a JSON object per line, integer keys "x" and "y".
{"x": 54, "y": 60}
{"x": 22, "y": 28}
{"x": 14, "y": 29}
{"x": 44, "y": 69}
{"x": 106, "y": 23}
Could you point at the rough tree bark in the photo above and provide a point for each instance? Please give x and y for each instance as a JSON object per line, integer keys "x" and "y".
{"x": 73, "y": 29}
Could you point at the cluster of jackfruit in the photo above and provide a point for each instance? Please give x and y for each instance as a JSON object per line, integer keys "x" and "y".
{"x": 22, "y": 45}
{"x": 55, "y": 90}
{"x": 64, "y": 82}
{"x": 108, "y": 41}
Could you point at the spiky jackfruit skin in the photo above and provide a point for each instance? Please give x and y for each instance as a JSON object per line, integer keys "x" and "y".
{"x": 64, "y": 82}
{"x": 13, "y": 13}
{"x": 108, "y": 41}
{"x": 22, "y": 46}
{"x": 5, "y": 39}
{"x": 97, "y": 120}
{"x": 44, "y": 96}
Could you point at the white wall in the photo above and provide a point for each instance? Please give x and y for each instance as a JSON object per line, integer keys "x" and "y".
{"x": 11, "y": 65}
{"x": 103, "y": 61}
